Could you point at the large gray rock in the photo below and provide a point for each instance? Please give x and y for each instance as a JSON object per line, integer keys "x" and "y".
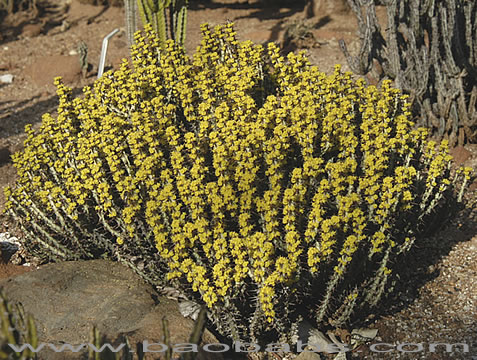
{"x": 67, "y": 299}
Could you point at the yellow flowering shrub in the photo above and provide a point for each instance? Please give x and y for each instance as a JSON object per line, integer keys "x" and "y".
{"x": 254, "y": 183}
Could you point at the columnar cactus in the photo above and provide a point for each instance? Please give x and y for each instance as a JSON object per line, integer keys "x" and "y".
{"x": 158, "y": 12}
{"x": 429, "y": 49}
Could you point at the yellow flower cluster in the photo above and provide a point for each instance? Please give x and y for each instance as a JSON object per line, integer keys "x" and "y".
{"x": 237, "y": 171}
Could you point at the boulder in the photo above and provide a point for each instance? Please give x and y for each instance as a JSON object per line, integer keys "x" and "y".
{"x": 67, "y": 299}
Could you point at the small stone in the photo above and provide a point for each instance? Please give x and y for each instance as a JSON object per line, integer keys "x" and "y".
{"x": 65, "y": 25}
{"x": 5, "y": 156}
{"x": 31, "y": 30}
{"x": 6, "y": 79}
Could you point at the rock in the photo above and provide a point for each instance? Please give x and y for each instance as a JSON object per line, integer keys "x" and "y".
{"x": 6, "y": 79}
{"x": 44, "y": 69}
{"x": 8, "y": 246}
{"x": 31, "y": 30}
{"x": 5, "y": 156}
{"x": 67, "y": 299}
{"x": 13, "y": 251}
{"x": 325, "y": 7}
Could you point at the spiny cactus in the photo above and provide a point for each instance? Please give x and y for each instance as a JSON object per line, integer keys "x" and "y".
{"x": 130, "y": 9}
{"x": 168, "y": 18}
{"x": 255, "y": 184}
{"x": 429, "y": 49}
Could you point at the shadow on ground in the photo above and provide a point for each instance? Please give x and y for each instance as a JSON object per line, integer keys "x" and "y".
{"x": 418, "y": 267}
{"x": 28, "y": 114}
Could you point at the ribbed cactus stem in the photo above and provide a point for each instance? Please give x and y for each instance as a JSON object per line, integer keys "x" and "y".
{"x": 167, "y": 17}
{"x": 131, "y": 26}
{"x": 159, "y": 21}
{"x": 322, "y": 309}
{"x": 376, "y": 289}
{"x": 180, "y": 21}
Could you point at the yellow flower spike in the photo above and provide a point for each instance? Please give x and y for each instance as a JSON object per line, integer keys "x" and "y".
{"x": 240, "y": 172}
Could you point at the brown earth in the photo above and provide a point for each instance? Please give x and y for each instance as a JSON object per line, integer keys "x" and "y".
{"x": 438, "y": 297}
{"x": 8, "y": 270}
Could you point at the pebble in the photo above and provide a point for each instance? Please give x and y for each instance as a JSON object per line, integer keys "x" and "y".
{"x": 6, "y": 79}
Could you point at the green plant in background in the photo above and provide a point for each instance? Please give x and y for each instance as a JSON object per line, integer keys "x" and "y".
{"x": 157, "y": 12}
{"x": 16, "y": 329}
{"x": 255, "y": 184}
{"x": 168, "y": 18}
{"x": 130, "y": 9}
{"x": 429, "y": 49}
